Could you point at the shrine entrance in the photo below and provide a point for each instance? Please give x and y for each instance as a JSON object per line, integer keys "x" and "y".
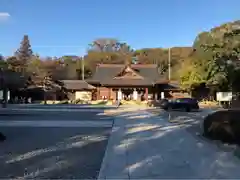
{"x": 128, "y": 94}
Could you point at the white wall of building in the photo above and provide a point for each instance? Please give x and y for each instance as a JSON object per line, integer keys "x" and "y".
{"x": 83, "y": 95}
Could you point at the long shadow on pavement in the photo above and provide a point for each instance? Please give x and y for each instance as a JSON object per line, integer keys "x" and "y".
{"x": 52, "y": 153}
{"x": 158, "y": 149}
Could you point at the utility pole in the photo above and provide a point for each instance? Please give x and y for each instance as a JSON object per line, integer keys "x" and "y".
{"x": 82, "y": 63}
{"x": 169, "y": 64}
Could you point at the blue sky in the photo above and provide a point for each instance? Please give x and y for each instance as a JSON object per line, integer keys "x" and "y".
{"x": 59, "y": 27}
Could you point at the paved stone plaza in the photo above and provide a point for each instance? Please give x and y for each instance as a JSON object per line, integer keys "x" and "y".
{"x": 73, "y": 143}
{"x": 151, "y": 145}
{"x": 65, "y": 144}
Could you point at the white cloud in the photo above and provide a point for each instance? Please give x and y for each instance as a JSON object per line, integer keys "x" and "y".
{"x": 4, "y": 16}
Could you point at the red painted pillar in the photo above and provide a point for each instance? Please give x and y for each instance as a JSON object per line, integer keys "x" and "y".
{"x": 146, "y": 94}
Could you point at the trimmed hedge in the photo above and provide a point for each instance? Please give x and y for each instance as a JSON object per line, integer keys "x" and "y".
{"x": 223, "y": 125}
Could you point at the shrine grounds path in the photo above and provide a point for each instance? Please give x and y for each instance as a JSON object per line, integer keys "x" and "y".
{"x": 85, "y": 142}
{"x": 155, "y": 144}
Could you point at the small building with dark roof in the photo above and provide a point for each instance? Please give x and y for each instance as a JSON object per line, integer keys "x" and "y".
{"x": 77, "y": 85}
{"x": 78, "y": 89}
{"x": 134, "y": 81}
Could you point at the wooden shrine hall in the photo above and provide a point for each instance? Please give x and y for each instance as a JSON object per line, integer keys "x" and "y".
{"x": 129, "y": 82}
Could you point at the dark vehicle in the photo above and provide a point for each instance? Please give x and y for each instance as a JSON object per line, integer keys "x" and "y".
{"x": 186, "y": 104}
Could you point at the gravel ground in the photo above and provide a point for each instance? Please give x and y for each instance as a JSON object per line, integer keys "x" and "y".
{"x": 65, "y": 153}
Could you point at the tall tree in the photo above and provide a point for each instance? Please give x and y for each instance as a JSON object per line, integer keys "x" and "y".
{"x": 226, "y": 51}
{"x": 109, "y": 45}
{"x": 1, "y": 57}
{"x": 70, "y": 67}
{"x": 33, "y": 66}
{"x": 215, "y": 57}
{"x": 13, "y": 63}
{"x": 160, "y": 57}
{"x": 107, "y": 50}
{"x": 3, "y": 63}
{"x": 24, "y": 53}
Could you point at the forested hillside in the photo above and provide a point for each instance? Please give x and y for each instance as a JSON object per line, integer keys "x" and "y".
{"x": 215, "y": 58}
{"x": 211, "y": 60}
